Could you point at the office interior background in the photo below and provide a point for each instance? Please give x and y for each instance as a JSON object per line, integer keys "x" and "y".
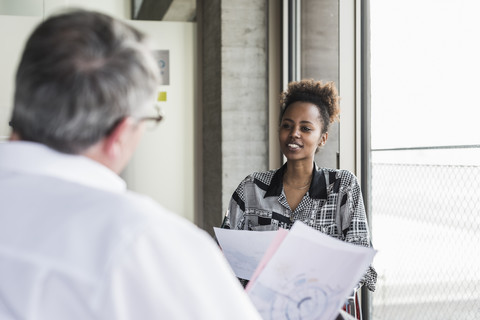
{"x": 407, "y": 72}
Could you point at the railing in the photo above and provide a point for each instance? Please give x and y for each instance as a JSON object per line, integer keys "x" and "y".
{"x": 426, "y": 226}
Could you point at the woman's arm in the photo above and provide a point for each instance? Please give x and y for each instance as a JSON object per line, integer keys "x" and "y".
{"x": 355, "y": 225}
{"x": 234, "y": 217}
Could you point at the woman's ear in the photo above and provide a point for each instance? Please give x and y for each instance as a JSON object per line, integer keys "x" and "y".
{"x": 323, "y": 139}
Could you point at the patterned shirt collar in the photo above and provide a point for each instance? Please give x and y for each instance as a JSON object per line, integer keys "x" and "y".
{"x": 318, "y": 187}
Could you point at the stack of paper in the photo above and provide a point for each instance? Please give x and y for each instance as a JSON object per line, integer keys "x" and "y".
{"x": 296, "y": 274}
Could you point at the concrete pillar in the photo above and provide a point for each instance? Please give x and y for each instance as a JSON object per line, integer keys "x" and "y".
{"x": 233, "y": 95}
{"x": 319, "y": 52}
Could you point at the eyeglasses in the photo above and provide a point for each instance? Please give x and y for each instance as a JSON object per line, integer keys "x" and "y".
{"x": 153, "y": 120}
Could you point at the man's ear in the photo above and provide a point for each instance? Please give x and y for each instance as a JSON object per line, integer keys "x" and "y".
{"x": 115, "y": 149}
{"x": 113, "y": 143}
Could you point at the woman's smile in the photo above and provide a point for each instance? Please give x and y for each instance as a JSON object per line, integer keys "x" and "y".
{"x": 294, "y": 146}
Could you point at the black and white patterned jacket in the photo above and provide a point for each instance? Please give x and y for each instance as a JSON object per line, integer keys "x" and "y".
{"x": 332, "y": 205}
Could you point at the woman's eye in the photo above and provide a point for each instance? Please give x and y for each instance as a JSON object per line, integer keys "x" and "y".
{"x": 285, "y": 126}
{"x": 306, "y": 129}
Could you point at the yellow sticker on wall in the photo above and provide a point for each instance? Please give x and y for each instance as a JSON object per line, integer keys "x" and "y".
{"x": 162, "y": 96}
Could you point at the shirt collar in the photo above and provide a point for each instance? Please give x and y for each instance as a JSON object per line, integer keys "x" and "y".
{"x": 36, "y": 158}
{"x": 318, "y": 187}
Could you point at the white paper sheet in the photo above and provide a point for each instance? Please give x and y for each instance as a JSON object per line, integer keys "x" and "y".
{"x": 309, "y": 276}
{"x": 244, "y": 249}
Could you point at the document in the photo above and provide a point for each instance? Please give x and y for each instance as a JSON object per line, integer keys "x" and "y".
{"x": 303, "y": 274}
{"x": 244, "y": 249}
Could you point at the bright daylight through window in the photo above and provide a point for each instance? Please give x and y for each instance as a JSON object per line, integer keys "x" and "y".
{"x": 425, "y": 158}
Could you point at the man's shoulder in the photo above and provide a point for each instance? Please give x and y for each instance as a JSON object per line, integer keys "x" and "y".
{"x": 133, "y": 210}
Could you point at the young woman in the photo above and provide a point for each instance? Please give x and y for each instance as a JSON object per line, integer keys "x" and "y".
{"x": 328, "y": 200}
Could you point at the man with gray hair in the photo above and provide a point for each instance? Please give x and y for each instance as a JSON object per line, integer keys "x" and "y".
{"x": 74, "y": 243}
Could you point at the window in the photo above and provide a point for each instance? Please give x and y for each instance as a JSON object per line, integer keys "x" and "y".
{"x": 425, "y": 195}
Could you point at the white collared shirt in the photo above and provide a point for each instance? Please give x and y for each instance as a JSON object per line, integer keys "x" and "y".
{"x": 75, "y": 244}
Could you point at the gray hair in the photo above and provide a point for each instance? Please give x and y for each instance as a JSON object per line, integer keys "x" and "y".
{"x": 81, "y": 73}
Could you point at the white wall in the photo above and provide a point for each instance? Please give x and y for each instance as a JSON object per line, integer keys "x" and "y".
{"x": 163, "y": 165}
{"x": 116, "y": 8}
{"x": 14, "y": 31}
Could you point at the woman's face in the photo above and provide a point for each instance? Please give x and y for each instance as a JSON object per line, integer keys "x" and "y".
{"x": 300, "y": 131}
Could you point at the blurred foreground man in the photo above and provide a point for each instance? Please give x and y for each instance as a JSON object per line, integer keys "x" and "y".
{"x": 74, "y": 243}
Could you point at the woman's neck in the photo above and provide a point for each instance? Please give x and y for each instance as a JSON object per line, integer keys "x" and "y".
{"x": 298, "y": 172}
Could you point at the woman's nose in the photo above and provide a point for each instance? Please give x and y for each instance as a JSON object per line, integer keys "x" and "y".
{"x": 295, "y": 132}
